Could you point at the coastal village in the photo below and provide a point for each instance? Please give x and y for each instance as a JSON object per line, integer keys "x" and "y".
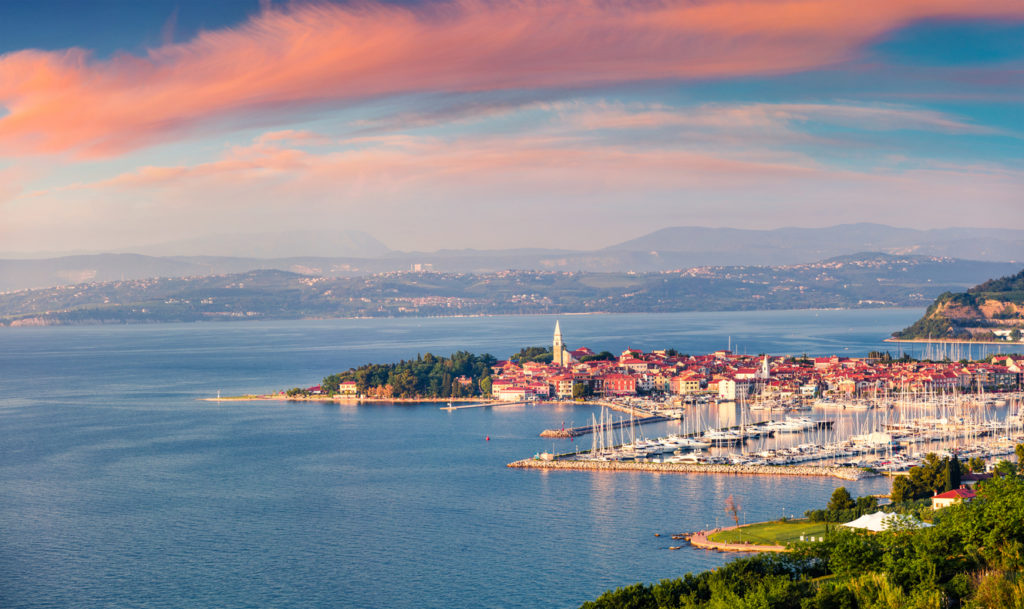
{"x": 723, "y": 375}
{"x": 887, "y": 415}
{"x": 725, "y": 412}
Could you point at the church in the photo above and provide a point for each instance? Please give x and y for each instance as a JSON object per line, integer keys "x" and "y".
{"x": 559, "y": 354}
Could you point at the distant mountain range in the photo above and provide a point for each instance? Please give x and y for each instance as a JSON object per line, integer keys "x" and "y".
{"x": 858, "y": 281}
{"x": 348, "y": 253}
{"x": 727, "y": 246}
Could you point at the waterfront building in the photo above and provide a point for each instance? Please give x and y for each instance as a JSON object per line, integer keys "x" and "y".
{"x": 730, "y": 389}
{"x": 685, "y": 383}
{"x": 618, "y": 384}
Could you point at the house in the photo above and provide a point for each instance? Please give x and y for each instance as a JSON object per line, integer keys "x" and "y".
{"x": 510, "y": 393}
{"x": 561, "y": 385}
{"x": 953, "y": 497}
{"x": 619, "y": 384}
{"x": 971, "y": 478}
{"x": 348, "y": 388}
{"x": 684, "y": 384}
{"x": 729, "y": 389}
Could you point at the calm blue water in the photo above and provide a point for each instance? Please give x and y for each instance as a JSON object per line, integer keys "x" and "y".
{"x": 118, "y": 488}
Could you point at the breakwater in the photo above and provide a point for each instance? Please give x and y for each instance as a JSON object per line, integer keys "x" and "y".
{"x": 572, "y": 432}
{"x": 844, "y": 473}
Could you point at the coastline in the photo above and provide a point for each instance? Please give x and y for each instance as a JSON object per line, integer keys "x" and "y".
{"x": 478, "y": 401}
{"x": 843, "y": 473}
{"x": 702, "y": 540}
{"x": 39, "y": 320}
{"x": 276, "y": 397}
{"x": 954, "y": 341}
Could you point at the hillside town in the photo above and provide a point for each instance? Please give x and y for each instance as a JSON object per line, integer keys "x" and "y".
{"x": 723, "y": 375}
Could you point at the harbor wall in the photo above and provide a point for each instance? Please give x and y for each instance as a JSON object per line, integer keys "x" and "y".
{"x": 844, "y": 473}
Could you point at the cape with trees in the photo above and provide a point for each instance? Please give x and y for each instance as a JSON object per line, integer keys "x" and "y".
{"x": 462, "y": 374}
{"x": 989, "y": 311}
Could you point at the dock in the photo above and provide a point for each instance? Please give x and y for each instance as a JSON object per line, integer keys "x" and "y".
{"x": 573, "y": 432}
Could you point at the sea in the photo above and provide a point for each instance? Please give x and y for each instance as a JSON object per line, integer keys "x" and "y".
{"x": 121, "y": 487}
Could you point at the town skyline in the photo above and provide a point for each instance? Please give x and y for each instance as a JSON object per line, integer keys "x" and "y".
{"x": 472, "y": 124}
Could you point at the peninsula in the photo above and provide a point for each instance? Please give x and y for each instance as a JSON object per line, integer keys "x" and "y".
{"x": 990, "y": 312}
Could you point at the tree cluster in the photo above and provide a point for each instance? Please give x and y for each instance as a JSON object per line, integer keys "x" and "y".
{"x": 1011, "y": 283}
{"x": 933, "y": 476}
{"x": 532, "y": 354}
{"x": 842, "y": 507}
{"x": 427, "y": 376}
{"x": 604, "y": 356}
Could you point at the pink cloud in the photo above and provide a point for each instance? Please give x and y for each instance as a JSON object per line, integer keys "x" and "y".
{"x": 325, "y": 54}
{"x": 765, "y": 116}
{"x": 386, "y": 162}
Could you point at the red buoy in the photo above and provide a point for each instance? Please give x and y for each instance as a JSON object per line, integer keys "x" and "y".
{"x": 488, "y": 438}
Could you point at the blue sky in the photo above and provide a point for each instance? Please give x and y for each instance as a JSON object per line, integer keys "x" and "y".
{"x": 490, "y": 125}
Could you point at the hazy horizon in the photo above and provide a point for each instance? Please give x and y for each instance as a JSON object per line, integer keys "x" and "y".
{"x": 315, "y": 244}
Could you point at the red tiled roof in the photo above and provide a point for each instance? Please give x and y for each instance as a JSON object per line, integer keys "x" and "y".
{"x": 962, "y": 493}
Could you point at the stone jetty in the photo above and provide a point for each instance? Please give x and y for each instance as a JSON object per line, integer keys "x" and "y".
{"x": 844, "y": 473}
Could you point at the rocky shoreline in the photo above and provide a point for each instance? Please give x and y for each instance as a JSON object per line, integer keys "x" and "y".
{"x": 843, "y": 473}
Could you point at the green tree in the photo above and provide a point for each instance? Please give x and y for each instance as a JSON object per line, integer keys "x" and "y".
{"x": 1005, "y": 468}
{"x": 485, "y": 385}
{"x": 852, "y": 551}
{"x": 1019, "y": 451}
{"x": 403, "y": 384}
{"x": 952, "y": 472}
{"x": 330, "y": 384}
{"x": 902, "y": 489}
{"x": 532, "y": 354}
{"x": 867, "y": 504}
{"x": 579, "y": 390}
{"x": 976, "y": 465}
{"x": 841, "y": 500}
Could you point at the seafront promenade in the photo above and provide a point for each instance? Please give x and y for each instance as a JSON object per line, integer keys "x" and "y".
{"x": 844, "y": 473}
{"x": 702, "y": 539}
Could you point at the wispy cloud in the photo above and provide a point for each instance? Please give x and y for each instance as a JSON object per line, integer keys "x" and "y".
{"x": 327, "y": 54}
{"x": 499, "y": 191}
{"x": 767, "y": 116}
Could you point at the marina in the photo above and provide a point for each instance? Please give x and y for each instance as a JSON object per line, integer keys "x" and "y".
{"x": 870, "y": 437}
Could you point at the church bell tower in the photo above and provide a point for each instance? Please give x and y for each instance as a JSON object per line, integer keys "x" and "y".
{"x": 557, "y": 348}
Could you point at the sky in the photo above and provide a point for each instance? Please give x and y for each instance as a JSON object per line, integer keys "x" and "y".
{"x": 501, "y": 124}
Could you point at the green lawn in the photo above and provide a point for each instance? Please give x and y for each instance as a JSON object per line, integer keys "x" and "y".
{"x": 771, "y": 533}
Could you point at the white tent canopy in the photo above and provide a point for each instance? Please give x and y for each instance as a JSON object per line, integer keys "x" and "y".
{"x": 880, "y": 521}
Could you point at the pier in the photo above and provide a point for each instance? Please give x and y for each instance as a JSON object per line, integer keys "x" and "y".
{"x": 491, "y": 404}
{"x": 573, "y": 432}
